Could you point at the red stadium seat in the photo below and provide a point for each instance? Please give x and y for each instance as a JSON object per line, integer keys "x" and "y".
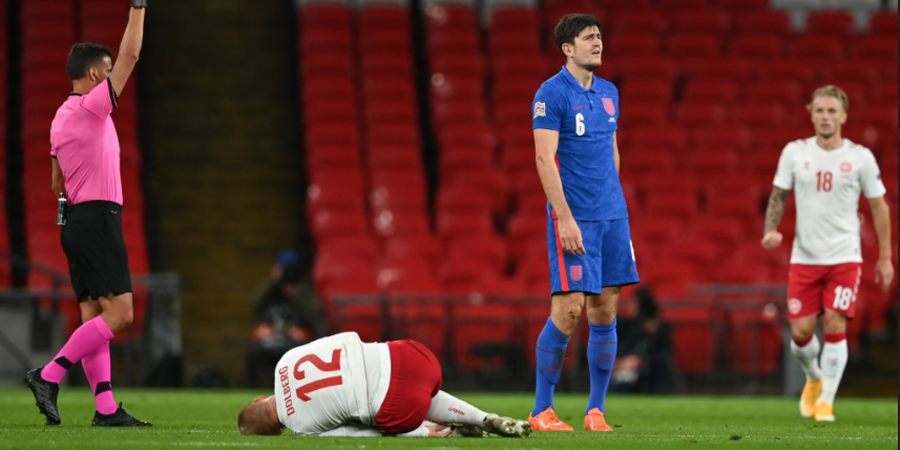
{"x": 786, "y": 91}
{"x": 459, "y": 112}
{"x": 400, "y": 223}
{"x": 819, "y": 48}
{"x": 333, "y": 14}
{"x": 532, "y": 68}
{"x": 736, "y": 70}
{"x": 462, "y": 276}
{"x": 650, "y": 114}
{"x": 457, "y": 87}
{"x": 830, "y": 23}
{"x": 652, "y": 229}
{"x": 641, "y": 20}
{"x": 514, "y": 17}
{"x": 454, "y": 41}
{"x": 328, "y": 224}
{"x": 384, "y": 157}
{"x": 334, "y": 197}
{"x": 392, "y": 136}
{"x": 758, "y": 46}
{"x": 389, "y": 40}
{"x": 742, "y": 6}
{"x": 637, "y": 68}
{"x": 450, "y": 16}
{"x": 363, "y": 246}
{"x": 633, "y": 43}
{"x": 763, "y": 21}
{"x": 883, "y": 23}
{"x": 670, "y": 138}
{"x": 377, "y": 63}
{"x": 759, "y": 116}
{"x": 663, "y": 204}
{"x": 726, "y": 231}
{"x": 733, "y": 138}
{"x": 695, "y": 45}
{"x": 453, "y": 64}
{"x": 743, "y": 273}
{"x": 364, "y": 319}
{"x": 491, "y": 249}
{"x": 642, "y": 161}
{"x": 476, "y": 136}
{"x": 398, "y": 196}
{"x": 676, "y": 5}
{"x": 377, "y": 15}
{"x": 389, "y": 112}
{"x": 703, "y": 21}
{"x": 513, "y": 42}
{"x": 463, "y": 199}
{"x": 452, "y": 225}
{"x": 322, "y": 157}
{"x": 876, "y": 48}
{"x": 696, "y": 115}
{"x": 330, "y": 267}
{"x": 646, "y": 92}
{"x": 426, "y": 246}
{"x": 710, "y": 91}
{"x": 696, "y": 252}
{"x": 713, "y": 161}
{"x": 741, "y": 206}
{"x": 786, "y": 69}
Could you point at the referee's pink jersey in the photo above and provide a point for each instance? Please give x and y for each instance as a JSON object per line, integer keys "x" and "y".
{"x": 84, "y": 141}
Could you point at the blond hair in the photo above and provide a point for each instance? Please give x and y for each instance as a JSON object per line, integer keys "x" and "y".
{"x": 830, "y": 91}
{"x": 254, "y": 419}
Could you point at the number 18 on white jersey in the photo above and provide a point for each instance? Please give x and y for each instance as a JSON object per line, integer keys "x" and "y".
{"x": 827, "y": 186}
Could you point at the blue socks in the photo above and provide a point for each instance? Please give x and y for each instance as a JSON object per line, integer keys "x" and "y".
{"x": 551, "y": 352}
{"x": 601, "y": 355}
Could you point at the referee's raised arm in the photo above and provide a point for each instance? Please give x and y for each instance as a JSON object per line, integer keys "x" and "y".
{"x": 130, "y": 48}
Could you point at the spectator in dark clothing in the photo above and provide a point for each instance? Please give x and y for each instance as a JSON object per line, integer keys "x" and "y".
{"x": 644, "y": 361}
{"x": 288, "y": 314}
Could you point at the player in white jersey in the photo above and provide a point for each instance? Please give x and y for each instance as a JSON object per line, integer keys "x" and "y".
{"x": 827, "y": 174}
{"x": 340, "y": 386}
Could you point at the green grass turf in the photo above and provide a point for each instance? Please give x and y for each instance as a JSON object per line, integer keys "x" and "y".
{"x": 199, "y": 419}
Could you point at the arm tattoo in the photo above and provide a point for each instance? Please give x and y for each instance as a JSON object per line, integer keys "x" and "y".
{"x": 775, "y": 210}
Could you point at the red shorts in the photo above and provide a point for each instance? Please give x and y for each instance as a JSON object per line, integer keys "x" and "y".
{"x": 415, "y": 379}
{"x": 812, "y": 288}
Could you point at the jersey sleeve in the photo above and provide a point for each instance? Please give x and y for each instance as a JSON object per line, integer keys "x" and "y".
{"x": 352, "y": 430}
{"x": 784, "y": 176}
{"x": 870, "y": 177}
{"x": 548, "y": 108}
{"x": 102, "y": 100}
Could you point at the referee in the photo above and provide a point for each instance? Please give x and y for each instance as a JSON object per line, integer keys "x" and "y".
{"x": 84, "y": 148}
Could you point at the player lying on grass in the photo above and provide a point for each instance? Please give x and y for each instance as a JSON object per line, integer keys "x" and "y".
{"x": 340, "y": 386}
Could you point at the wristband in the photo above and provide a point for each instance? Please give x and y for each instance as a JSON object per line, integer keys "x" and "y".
{"x": 138, "y": 3}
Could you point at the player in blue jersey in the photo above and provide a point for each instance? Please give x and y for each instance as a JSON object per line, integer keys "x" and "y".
{"x": 575, "y": 117}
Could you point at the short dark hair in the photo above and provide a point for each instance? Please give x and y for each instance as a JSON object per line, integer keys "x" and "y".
{"x": 83, "y": 56}
{"x": 570, "y": 26}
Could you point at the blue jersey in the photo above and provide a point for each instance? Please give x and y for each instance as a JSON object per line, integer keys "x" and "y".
{"x": 587, "y": 121}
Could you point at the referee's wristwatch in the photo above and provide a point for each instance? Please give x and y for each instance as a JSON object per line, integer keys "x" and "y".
{"x": 138, "y": 3}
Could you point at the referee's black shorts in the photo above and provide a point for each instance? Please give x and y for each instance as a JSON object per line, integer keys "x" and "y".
{"x": 95, "y": 249}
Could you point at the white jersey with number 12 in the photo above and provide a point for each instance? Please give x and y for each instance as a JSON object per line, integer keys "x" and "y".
{"x": 331, "y": 382}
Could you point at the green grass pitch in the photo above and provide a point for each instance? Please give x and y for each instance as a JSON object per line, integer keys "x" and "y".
{"x": 206, "y": 419}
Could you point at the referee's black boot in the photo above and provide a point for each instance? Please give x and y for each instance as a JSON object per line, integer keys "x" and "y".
{"x": 120, "y": 418}
{"x": 45, "y": 394}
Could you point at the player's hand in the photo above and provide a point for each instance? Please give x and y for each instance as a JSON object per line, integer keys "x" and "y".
{"x": 570, "y": 236}
{"x": 884, "y": 272}
{"x": 772, "y": 240}
{"x": 439, "y": 430}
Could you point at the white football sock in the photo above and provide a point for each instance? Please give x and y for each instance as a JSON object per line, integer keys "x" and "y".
{"x": 834, "y": 360}
{"x": 808, "y": 356}
{"x": 446, "y": 408}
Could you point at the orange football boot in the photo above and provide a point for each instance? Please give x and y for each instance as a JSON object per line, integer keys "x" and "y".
{"x": 548, "y": 421}
{"x": 594, "y": 421}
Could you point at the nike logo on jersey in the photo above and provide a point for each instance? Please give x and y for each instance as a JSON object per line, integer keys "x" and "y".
{"x": 612, "y": 120}
{"x": 576, "y": 108}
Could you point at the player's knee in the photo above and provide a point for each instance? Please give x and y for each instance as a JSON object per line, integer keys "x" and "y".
{"x": 834, "y": 323}
{"x": 801, "y": 334}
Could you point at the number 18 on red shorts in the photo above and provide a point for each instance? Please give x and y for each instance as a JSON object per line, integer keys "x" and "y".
{"x": 812, "y": 288}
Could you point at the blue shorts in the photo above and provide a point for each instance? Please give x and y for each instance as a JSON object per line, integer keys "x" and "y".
{"x": 609, "y": 260}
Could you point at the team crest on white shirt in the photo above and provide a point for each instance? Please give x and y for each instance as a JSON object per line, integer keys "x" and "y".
{"x": 540, "y": 109}
{"x": 846, "y": 167}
